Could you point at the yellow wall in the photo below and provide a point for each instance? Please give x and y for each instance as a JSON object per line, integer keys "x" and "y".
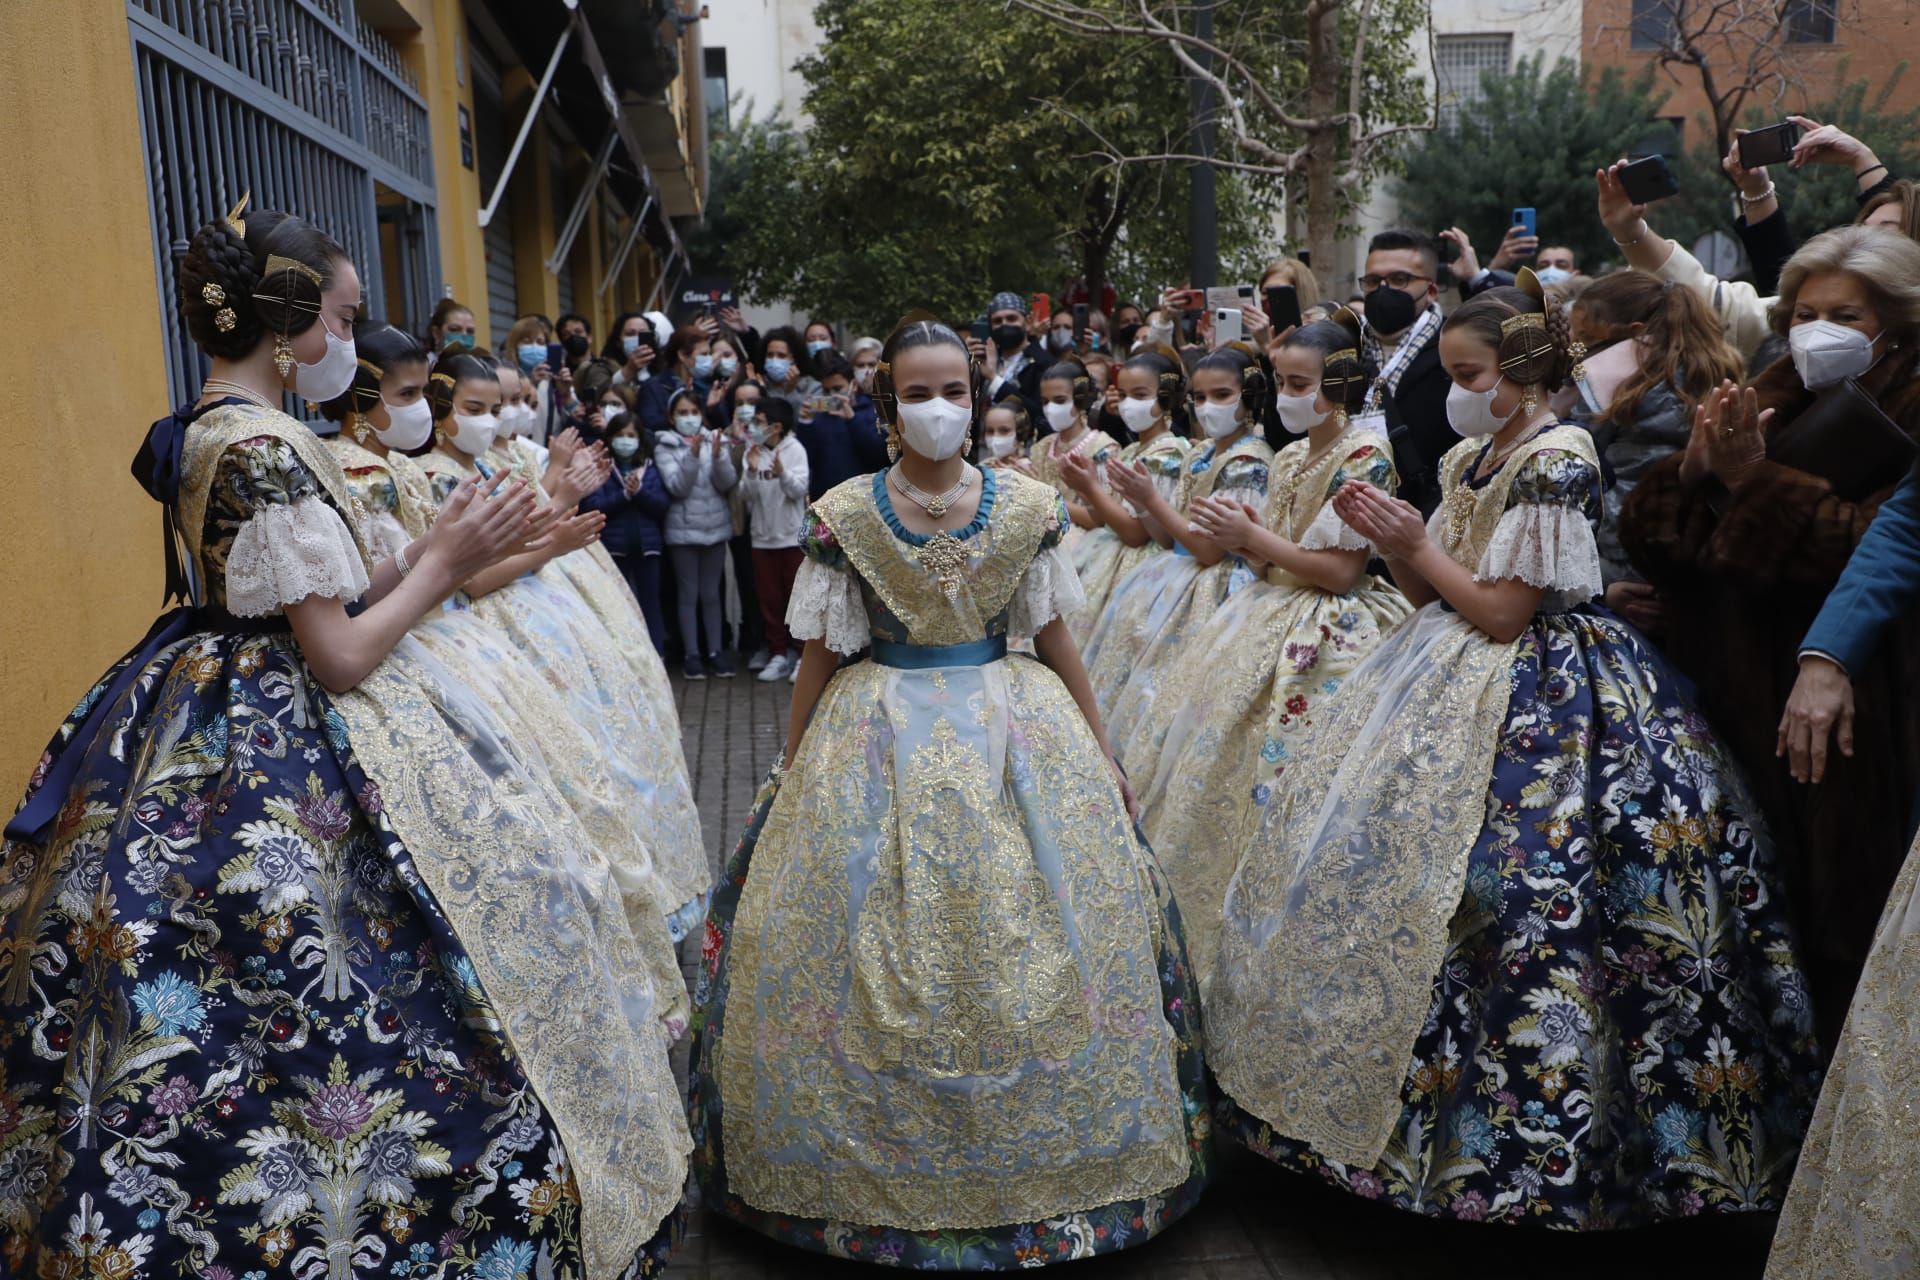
{"x": 83, "y": 378}
{"x": 436, "y": 52}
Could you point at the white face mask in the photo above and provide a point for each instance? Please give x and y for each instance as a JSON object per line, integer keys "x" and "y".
{"x": 1139, "y": 413}
{"x": 609, "y": 411}
{"x": 1219, "y": 420}
{"x": 1471, "y": 414}
{"x": 935, "y": 428}
{"x": 473, "y": 432}
{"x": 331, "y": 375}
{"x": 687, "y": 424}
{"x": 408, "y": 425}
{"x": 1297, "y": 413}
{"x": 1060, "y": 416}
{"x": 1826, "y": 353}
{"x": 1001, "y": 446}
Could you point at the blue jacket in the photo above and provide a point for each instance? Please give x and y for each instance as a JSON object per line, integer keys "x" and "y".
{"x": 655, "y": 394}
{"x": 1881, "y": 582}
{"x": 842, "y": 448}
{"x": 635, "y": 525}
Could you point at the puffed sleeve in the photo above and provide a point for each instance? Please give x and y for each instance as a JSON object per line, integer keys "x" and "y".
{"x": 826, "y": 603}
{"x": 380, "y": 495}
{"x": 1545, "y": 537}
{"x": 1243, "y": 479}
{"x": 1050, "y": 588}
{"x": 287, "y": 542}
{"x": 1370, "y": 464}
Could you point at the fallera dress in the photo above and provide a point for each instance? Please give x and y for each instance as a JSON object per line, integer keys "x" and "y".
{"x": 551, "y": 622}
{"x": 1100, "y": 557}
{"x": 396, "y": 496}
{"x": 1508, "y": 944}
{"x": 944, "y": 1018}
{"x": 258, "y": 1009}
{"x": 1139, "y": 645}
{"x": 1258, "y": 673}
{"x": 1044, "y": 456}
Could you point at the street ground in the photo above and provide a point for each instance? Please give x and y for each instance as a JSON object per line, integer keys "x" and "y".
{"x": 1257, "y": 1222}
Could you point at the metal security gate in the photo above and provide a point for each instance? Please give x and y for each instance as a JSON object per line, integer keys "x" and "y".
{"x": 303, "y": 105}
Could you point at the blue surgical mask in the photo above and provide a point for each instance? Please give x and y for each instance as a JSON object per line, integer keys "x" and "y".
{"x": 460, "y": 340}
{"x": 757, "y": 433}
{"x": 703, "y": 367}
{"x": 531, "y": 354}
{"x": 1553, "y": 275}
{"x": 726, "y": 367}
{"x": 779, "y": 368}
{"x": 629, "y": 342}
{"x": 815, "y": 348}
{"x": 624, "y": 447}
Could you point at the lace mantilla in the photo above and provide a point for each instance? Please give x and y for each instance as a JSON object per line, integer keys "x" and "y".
{"x": 285, "y": 554}
{"x": 826, "y": 604}
{"x": 1051, "y": 589}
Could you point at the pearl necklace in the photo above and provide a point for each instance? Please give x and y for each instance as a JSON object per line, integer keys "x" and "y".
{"x": 222, "y": 386}
{"x": 934, "y": 504}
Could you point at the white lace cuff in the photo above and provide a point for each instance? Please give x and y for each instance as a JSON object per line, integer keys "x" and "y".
{"x": 1547, "y": 545}
{"x": 1329, "y": 532}
{"x": 826, "y": 604}
{"x": 1049, "y": 589}
{"x": 288, "y": 552}
{"x": 385, "y": 534}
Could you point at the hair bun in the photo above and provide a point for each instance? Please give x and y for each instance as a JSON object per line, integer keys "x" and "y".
{"x": 217, "y": 282}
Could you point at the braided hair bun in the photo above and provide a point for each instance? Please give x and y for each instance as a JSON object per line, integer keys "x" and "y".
{"x": 228, "y": 298}
{"x": 1529, "y": 334}
{"x": 1344, "y": 379}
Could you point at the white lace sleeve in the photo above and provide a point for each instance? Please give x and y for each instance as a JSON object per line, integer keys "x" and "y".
{"x": 826, "y": 604}
{"x": 286, "y": 552}
{"x": 384, "y": 532}
{"x": 1329, "y": 532}
{"x": 1049, "y": 589}
{"x": 1544, "y": 544}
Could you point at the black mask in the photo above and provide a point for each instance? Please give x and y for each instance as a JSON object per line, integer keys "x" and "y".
{"x": 1389, "y": 310}
{"x": 1124, "y": 336}
{"x": 576, "y": 344}
{"x": 1009, "y": 337}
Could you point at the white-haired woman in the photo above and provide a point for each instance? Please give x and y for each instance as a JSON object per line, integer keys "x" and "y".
{"x": 1746, "y": 531}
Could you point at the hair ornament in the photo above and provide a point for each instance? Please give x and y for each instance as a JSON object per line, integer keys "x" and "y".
{"x": 235, "y": 221}
{"x": 224, "y": 320}
{"x": 212, "y": 294}
{"x": 280, "y": 262}
{"x": 1528, "y": 283}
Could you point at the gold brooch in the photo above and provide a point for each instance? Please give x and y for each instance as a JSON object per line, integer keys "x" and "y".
{"x": 212, "y": 294}
{"x": 944, "y": 556}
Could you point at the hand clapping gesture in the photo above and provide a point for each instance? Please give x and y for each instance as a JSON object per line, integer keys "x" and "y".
{"x": 1729, "y": 437}
{"x": 1229, "y": 523}
{"x": 1393, "y": 526}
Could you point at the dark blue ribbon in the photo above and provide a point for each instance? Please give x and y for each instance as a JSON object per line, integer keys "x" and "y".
{"x": 922, "y": 657}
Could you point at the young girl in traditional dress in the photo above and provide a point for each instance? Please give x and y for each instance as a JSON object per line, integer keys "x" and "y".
{"x": 1508, "y": 944}
{"x": 1138, "y": 644}
{"x": 944, "y": 1019}
{"x": 1266, "y": 663}
{"x": 1068, "y": 401}
{"x": 1152, "y": 388}
{"x": 300, "y": 961}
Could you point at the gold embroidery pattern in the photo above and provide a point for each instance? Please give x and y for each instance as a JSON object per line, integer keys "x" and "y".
{"x": 940, "y": 600}
{"x": 1337, "y": 916}
{"x": 1853, "y": 1212}
{"x": 946, "y": 906}
{"x": 574, "y": 999}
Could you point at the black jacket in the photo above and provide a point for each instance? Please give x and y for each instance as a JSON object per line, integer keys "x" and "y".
{"x": 1417, "y": 425}
{"x": 1025, "y": 383}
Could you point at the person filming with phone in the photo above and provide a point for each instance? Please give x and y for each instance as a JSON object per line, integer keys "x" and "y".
{"x": 838, "y": 428}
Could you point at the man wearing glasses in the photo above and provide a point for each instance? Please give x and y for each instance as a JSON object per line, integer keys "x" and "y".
{"x": 1403, "y": 342}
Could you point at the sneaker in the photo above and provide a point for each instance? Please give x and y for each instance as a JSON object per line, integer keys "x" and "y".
{"x": 776, "y": 669}
{"x": 793, "y": 674}
{"x": 760, "y": 659}
{"x": 693, "y": 670}
{"x": 721, "y": 667}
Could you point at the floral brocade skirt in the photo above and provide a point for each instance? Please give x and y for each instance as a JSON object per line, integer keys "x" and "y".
{"x": 236, "y": 1030}
{"x": 1101, "y": 560}
{"x": 944, "y": 1018}
{"x": 1619, "y": 1033}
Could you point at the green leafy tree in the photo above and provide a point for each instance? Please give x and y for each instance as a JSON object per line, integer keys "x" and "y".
{"x": 933, "y": 181}
{"x": 1533, "y": 140}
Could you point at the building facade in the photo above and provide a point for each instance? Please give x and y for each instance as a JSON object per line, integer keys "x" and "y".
{"x": 519, "y": 155}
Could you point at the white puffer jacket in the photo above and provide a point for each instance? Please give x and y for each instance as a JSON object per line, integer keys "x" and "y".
{"x": 699, "y": 515}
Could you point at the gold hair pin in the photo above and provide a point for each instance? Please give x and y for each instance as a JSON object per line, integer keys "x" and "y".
{"x": 1523, "y": 320}
{"x": 276, "y": 262}
{"x": 234, "y": 219}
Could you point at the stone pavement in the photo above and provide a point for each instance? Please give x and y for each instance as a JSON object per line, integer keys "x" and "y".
{"x": 1256, "y": 1222}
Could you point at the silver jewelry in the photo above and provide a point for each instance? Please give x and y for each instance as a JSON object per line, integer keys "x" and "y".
{"x": 1764, "y": 195}
{"x": 400, "y": 562}
{"x": 1628, "y": 244}
{"x": 220, "y": 386}
{"x": 934, "y": 504}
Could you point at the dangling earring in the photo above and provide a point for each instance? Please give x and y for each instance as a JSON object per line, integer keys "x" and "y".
{"x": 966, "y": 445}
{"x": 893, "y": 445}
{"x": 357, "y": 422}
{"x": 1530, "y": 400}
{"x": 1340, "y": 419}
{"x": 283, "y": 355}
{"x": 1578, "y": 353}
